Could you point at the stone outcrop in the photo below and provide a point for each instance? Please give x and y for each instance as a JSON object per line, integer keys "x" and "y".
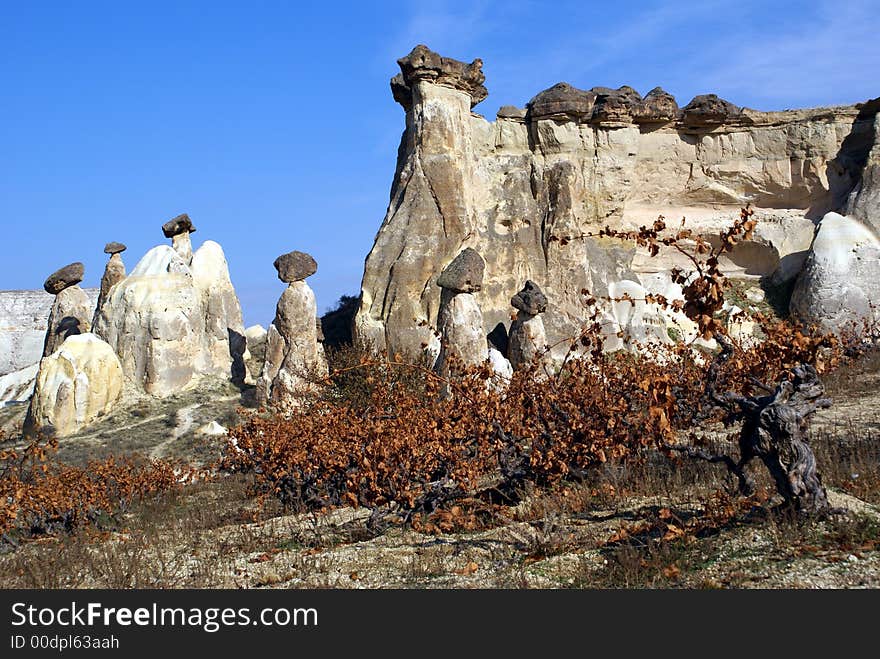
{"x": 525, "y": 190}
{"x": 71, "y": 312}
{"x": 838, "y": 288}
{"x": 527, "y": 340}
{"x": 459, "y": 319}
{"x": 294, "y": 357}
{"x": 114, "y": 272}
{"x": 172, "y": 322}
{"x": 76, "y": 384}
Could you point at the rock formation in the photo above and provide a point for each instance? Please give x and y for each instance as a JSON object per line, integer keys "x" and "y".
{"x": 294, "y": 357}
{"x": 838, "y": 288}
{"x": 76, "y": 384}
{"x": 23, "y": 324}
{"x": 864, "y": 203}
{"x": 114, "y": 272}
{"x": 172, "y": 321}
{"x": 459, "y": 320}
{"x": 178, "y": 229}
{"x": 527, "y": 340}
{"x": 525, "y": 189}
{"x": 71, "y": 312}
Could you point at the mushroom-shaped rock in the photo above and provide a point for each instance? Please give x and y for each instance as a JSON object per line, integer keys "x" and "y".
{"x": 615, "y": 105}
{"x": 114, "y": 272}
{"x": 114, "y": 248}
{"x": 75, "y": 385}
{"x": 562, "y": 101}
{"x": 294, "y": 357}
{"x": 178, "y": 229}
{"x": 295, "y": 266}
{"x": 530, "y": 299}
{"x": 709, "y": 110}
{"x": 424, "y": 64}
{"x": 528, "y": 339}
{"x": 837, "y": 289}
{"x": 657, "y": 106}
{"x": 465, "y": 273}
{"x": 69, "y": 275}
{"x": 511, "y": 112}
{"x": 71, "y": 311}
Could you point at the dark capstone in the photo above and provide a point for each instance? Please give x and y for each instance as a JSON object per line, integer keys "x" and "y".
{"x": 66, "y": 277}
{"x": 615, "y": 104}
{"x": 114, "y": 248}
{"x": 562, "y": 101}
{"x": 499, "y": 339}
{"x": 295, "y": 266}
{"x": 708, "y": 109}
{"x": 179, "y": 224}
{"x": 424, "y": 64}
{"x": 464, "y": 274}
{"x": 530, "y": 299}
{"x": 401, "y": 91}
{"x": 511, "y": 112}
{"x": 657, "y": 106}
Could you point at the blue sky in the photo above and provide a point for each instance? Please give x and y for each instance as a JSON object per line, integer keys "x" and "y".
{"x": 272, "y": 124}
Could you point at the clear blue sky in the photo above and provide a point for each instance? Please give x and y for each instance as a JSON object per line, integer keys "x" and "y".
{"x": 272, "y": 124}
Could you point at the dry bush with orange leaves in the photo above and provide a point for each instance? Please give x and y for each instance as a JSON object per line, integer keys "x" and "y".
{"x": 41, "y": 495}
{"x": 408, "y": 450}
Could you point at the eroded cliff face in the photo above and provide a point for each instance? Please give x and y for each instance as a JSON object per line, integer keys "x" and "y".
{"x": 524, "y": 189}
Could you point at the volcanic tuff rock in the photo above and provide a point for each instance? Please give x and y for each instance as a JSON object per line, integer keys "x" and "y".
{"x": 79, "y": 382}
{"x": 525, "y": 191}
{"x": 294, "y": 358}
{"x": 864, "y": 203}
{"x": 114, "y": 272}
{"x": 71, "y": 314}
{"x": 179, "y": 229}
{"x": 838, "y": 288}
{"x": 460, "y": 325}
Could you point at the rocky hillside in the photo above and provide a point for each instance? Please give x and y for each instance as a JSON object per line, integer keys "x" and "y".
{"x": 522, "y": 190}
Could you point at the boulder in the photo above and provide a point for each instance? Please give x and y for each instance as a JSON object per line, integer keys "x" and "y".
{"x": 114, "y": 248}
{"x": 464, "y": 274}
{"x": 295, "y": 266}
{"x": 530, "y": 299}
{"x": 562, "y": 102}
{"x": 76, "y": 384}
{"x": 837, "y": 289}
{"x": 657, "y": 106}
{"x": 709, "y": 110}
{"x": 69, "y": 275}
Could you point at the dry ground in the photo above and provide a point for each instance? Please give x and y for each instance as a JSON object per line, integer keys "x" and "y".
{"x": 661, "y": 524}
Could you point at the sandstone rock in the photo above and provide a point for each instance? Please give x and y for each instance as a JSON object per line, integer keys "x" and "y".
{"x": 114, "y": 248}
{"x": 464, "y": 274}
{"x": 530, "y": 299}
{"x": 838, "y": 289}
{"x": 293, "y": 359}
{"x": 62, "y": 278}
{"x": 79, "y": 382}
{"x": 71, "y": 314}
{"x": 525, "y": 194}
{"x": 423, "y": 64}
{"x": 708, "y": 110}
{"x": 114, "y": 272}
{"x": 295, "y": 266}
{"x": 864, "y": 202}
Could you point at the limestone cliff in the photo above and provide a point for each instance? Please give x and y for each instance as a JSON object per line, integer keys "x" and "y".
{"x": 523, "y": 189}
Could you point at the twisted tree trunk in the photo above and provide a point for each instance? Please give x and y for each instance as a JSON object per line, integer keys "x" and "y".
{"x": 775, "y": 431}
